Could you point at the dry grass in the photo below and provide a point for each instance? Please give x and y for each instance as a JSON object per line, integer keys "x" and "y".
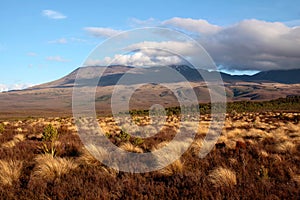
{"x": 174, "y": 168}
{"x": 131, "y": 148}
{"x": 160, "y": 145}
{"x": 267, "y": 165}
{"x": 98, "y": 152}
{"x": 50, "y": 168}
{"x": 285, "y": 147}
{"x": 297, "y": 178}
{"x": 10, "y": 171}
{"x": 86, "y": 158}
{"x": 196, "y": 146}
{"x": 168, "y": 164}
{"x": 17, "y": 138}
{"x": 222, "y": 177}
{"x": 264, "y": 154}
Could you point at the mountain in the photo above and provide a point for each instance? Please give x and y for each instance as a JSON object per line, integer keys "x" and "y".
{"x": 114, "y": 73}
{"x": 280, "y": 76}
{"x": 55, "y": 98}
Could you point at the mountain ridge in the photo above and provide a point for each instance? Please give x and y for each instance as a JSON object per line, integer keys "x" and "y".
{"x": 115, "y": 72}
{"x": 55, "y": 98}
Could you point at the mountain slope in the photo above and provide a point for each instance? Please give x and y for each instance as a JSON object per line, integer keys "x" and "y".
{"x": 280, "y": 76}
{"x": 113, "y": 73}
{"x": 55, "y": 98}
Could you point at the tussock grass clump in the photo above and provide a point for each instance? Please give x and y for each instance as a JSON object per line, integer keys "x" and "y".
{"x": 17, "y": 138}
{"x": 160, "y": 145}
{"x": 10, "y": 171}
{"x": 86, "y": 158}
{"x": 297, "y": 178}
{"x": 163, "y": 160}
{"x": 2, "y": 128}
{"x": 222, "y": 177}
{"x": 87, "y": 155}
{"x": 285, "y": 147}
{"x": 50, "y": 168}
{"x": 174, "y": 168}
{"x": 196, "y": 146}
{"x": 131, "y": 148}
{"x": 97, "y": 152}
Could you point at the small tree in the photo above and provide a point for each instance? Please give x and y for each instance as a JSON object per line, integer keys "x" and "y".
{"x": 50, "y": 134}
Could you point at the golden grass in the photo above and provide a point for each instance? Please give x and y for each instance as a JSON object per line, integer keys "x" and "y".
{"x": 196, "y": 146}
{"x": 93, "y": 155}
{"x": 174, "y": 168}
{"x": 264, "y": 154}
{"x": 163, "y": 159}
{"x": 285, "y": 147}
{"x": 296, "y": 178}
{"x": 50, "y": 168}
{"x": 160, "y": 145}
{"x": 222, "y": 177}
{"x": 131, "y": 148}
{"x": 9, "y": 171}
{"x": 87, "y": 158}
{"x": 17, "y": 138}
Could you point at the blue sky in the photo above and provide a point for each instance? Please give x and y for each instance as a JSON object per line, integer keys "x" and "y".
{"x": 44, "y": 40}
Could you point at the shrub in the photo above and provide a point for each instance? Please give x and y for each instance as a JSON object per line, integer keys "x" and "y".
{"x": 124, "y": 136}
{"x": 138, "y": 141}
{"x": 50, "y": 133}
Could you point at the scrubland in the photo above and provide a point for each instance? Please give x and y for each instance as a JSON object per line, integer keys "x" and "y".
{"x": 257, "y": 156}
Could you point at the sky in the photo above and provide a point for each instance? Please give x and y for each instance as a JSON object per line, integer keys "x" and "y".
{"x": 43, "y": 40}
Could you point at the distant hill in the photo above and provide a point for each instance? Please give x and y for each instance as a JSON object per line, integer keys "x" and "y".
{"x": 114, "y": 73}
{"x": 280, "y": 76}
{"x": 55, "y": 98}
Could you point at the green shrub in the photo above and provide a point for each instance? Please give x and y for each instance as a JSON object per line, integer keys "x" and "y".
{"x": 50, "y": 133}
{"x": 124, "y": 136}
{"x": 138, "y": 141}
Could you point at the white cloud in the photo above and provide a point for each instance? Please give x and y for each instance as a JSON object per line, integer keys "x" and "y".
{"x": 255, "y": 45}
{"x": 17, "y": 86}
{"x": 59, "y": 41}
{"x": 74, "y": 39}
{"x": 53, "y": 14}
{"x": 95, "y": 62}
{"x": 141, "y": 58}
{"x": 247, "y": 45}
{"x": 31, "y": 54}
{"x": 148, "y": 22}
{"x": 57, "y": 59}
{"x": 101, "y": 32}
{"x": 183, "y": 48}
{"x": 193, "y": 25}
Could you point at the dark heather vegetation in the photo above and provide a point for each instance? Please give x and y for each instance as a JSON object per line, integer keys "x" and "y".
{"x": 257, "y": 156}
{"x": 290, "y": 103}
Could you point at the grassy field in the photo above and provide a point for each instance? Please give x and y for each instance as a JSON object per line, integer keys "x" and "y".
{"x": 257, "y": 156}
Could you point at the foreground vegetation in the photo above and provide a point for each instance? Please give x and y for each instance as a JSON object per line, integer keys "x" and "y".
{"x": 257, "y": 157}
